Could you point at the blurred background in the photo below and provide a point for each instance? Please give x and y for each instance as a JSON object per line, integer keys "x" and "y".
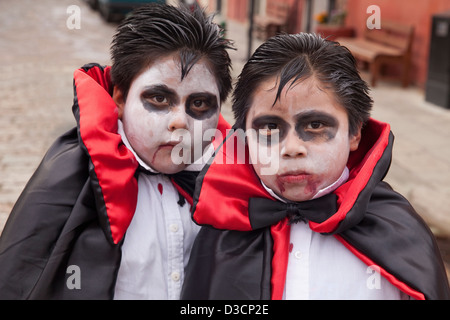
{"x": 402, "y": 46}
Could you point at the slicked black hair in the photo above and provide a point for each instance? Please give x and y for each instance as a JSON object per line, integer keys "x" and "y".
{"x": 158, "y": 30}
{"x": 293, "y": 57}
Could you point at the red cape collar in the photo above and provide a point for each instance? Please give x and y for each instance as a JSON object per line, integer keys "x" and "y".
{"x": 114, "y": 165}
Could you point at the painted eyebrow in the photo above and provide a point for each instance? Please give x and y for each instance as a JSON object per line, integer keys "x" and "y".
{"x": 265, "y": 119}
{"x": 159, "y": 89}
{"x": 205, "y": 94}
{"x": 313, "y": 115}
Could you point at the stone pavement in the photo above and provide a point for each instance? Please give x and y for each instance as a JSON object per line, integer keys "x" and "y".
{"x": 420, "y": 167}
{"x": 39, "y": 53}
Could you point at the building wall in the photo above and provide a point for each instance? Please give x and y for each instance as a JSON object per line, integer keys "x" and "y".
{"x": 416, "y": 12}
{"x": 237, "y": 10}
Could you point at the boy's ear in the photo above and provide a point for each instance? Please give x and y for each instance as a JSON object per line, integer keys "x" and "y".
{"x": 119, "y": 100}
{"x": 355, "y": 139}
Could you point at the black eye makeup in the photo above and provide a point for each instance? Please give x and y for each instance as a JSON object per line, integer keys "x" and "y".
{"x": 270, "y": 129}
{"x": 202, "y": 105}
{"x": 158, "y": 98}
{"x": 310, "y": 126}
{"x": 316, "y": 125}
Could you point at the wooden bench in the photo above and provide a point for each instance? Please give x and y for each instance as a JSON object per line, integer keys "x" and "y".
{"x": 389, "y": 45}
{"x": 274, "y": 21}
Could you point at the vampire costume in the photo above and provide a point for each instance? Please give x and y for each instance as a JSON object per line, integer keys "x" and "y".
{"x": 242, "y": 250}
{"x": 76, "y": 208}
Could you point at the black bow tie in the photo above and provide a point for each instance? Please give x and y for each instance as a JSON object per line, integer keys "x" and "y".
{"x": 265, "y": 212}
{"x": 184, "y": 179}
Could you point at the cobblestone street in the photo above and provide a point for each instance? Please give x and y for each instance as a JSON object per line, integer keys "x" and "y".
{"x": 39, "y": 54}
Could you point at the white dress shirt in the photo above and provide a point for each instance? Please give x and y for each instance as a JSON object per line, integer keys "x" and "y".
{"x": 158, "y": 241}
{"x": 321, "y": 268}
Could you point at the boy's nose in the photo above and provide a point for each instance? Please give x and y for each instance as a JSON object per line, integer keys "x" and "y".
{"x": 178, "y": 119}
{"x": 293, "y": 146}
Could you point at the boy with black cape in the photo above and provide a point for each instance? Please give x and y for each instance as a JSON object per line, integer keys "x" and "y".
{"x": 296, "y": 207}
{"x": 107, "y": 213}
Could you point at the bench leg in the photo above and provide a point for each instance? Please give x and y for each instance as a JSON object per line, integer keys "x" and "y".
{"x": 375, "y": 71}
{"x": 405, "y": 74}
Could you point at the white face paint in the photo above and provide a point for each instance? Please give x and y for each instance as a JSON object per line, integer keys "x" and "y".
{"x": 159, "y": 103}
{"x": 314, "y": 141}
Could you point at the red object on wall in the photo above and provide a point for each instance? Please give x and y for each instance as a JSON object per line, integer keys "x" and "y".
{"x": 332, "y": 32}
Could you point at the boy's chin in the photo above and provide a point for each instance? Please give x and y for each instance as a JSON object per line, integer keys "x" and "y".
{"x": 162, "y": 162}
{"x": 295, "y": 194}
{"x": 169, "y": 168}
{"x": 298, "y": 198}
{"x": 165, "y": 165}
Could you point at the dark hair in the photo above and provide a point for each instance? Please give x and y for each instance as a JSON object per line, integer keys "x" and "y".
{"x": 299, "y": 56}
{"x": 158, "y": 30}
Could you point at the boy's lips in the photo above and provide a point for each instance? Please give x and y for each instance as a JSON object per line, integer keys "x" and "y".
{"x": 165, "y": 146}
{"x": 170, "y": 144}
{"x": 293, "y": 176}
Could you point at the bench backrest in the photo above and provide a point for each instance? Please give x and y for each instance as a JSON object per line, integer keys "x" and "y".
{"x": 392, "y": 34}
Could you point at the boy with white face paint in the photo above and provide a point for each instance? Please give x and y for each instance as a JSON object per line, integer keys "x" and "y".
{"x": 111, "y": 197}
{"x": 324, "y": 224}
{"x": 159, "y": 103}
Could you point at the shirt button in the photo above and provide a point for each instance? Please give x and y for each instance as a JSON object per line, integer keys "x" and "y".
{"x": 175, "y": 276}
{"x": 173, "y": 227}
{"x": 298, "y": 254}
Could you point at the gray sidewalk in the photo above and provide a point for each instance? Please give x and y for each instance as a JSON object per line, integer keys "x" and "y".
{"x": 420, "y": 167}
{"x": 39, "y": 55}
